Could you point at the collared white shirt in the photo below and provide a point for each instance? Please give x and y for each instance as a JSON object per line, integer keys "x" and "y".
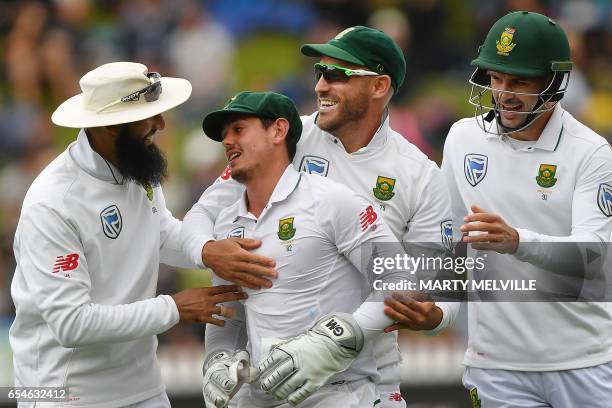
{"x": 551, "y": 191}
{"x": 88, "y": 247}
{"x": 316, "y": 230}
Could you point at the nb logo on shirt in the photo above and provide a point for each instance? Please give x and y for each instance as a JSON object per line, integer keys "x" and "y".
{"x": 67, "y": 263}
{"x": 367, "y": 217}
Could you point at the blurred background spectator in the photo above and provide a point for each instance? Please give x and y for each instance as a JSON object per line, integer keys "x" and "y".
{"x": 223, "y": 46}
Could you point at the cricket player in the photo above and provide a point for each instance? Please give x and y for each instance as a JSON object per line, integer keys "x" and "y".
{"x": 92, "y": 232}
{"x": 525, "y": 178}
{"x": 322, "y": 235}
{"x": 348, "y": 139}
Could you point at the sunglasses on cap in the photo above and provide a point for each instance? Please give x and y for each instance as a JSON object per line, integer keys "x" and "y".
{"x": 151, "y": 92}
{"x": 336, "y": 73}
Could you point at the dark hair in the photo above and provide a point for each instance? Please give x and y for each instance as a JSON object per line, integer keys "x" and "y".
{"x": 290, "y": 141}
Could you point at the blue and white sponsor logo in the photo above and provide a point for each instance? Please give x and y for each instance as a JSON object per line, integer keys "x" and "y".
{"x": 604, "y": 199}
{"x": 237, "y": 232}
{"x": 446, "y": 231}
{"x": 475, "y": 168}
{"x": 314, "y": 165}
{"x": 111, "y": 221}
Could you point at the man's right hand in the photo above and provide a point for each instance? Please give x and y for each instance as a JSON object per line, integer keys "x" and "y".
{"x": 198, "y": 305}
{"x": 231, "y": 259}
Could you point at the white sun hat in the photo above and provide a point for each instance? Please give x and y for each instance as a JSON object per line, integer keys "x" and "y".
{"x": 120, "y": 92}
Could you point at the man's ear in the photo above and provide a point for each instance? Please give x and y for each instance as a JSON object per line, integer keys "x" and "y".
{"x": 381, "y": 86}
{"x": 281, "y": 126}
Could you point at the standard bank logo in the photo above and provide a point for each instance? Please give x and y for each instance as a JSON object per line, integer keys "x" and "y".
{"x": 446, "y": 230}
{"x": 237, "y": 232}
{"x": 604, "y": 199}
{"x": 314, "y": 165}
{"x": 111, "y": 221}
{"x": 475, "y": 168}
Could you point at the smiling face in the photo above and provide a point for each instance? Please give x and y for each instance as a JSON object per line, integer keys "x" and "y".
{"x": 343, "y": 102}
{"x": 248, "y": 144}
{"x": 507, "y": 92}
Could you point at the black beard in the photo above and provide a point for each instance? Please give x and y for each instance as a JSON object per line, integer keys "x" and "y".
{"x": 144, "y": 164}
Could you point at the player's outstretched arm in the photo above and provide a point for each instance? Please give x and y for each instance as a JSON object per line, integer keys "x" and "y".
{"x": 229, "y": 259}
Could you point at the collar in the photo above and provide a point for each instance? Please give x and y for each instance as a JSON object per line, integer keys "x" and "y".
{"x": 551, "y": 134}
{"x": 285, "y": 186}
{"x": 379, "y": 138}
{"x": 91, "y": 162}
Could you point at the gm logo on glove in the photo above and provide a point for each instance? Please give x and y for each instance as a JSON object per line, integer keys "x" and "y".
{"x": 336, "y": 329}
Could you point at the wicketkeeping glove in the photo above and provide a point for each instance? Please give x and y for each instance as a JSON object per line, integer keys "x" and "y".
{"x": 224, "y": 374}
{"x": 298, "y": 367}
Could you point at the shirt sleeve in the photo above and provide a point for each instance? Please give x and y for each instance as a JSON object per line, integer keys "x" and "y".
{"x": 433, "y": 210}
{"x": 198, "y": 224}
{"x": 170, "y": 251}
{"x": 359, "y": 233}
{"x": 591, "y": 225}
{"x": 458, "y": 208}
{"x": 63, "y": 298}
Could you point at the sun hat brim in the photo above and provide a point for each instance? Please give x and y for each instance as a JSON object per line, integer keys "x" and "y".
{"x": 73, "y": 114}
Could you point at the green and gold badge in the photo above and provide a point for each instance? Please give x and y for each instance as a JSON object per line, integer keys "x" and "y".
{"x": 149, "y": 191}
{"x": 504, "y": 45}
{"x": 546, "y": 175}
{"x": 474, "y": 397}
{"x": 285, "y": 228}
{"x": 384, "y": 188}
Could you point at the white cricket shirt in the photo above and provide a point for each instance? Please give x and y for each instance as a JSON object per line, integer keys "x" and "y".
{"x": 556, "y": 190}
{"x": 315, "y": 229}
{"x": 88, "y": 248}
{"x": 407, "y": 189}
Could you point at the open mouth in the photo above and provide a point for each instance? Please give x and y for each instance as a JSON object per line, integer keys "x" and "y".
{"x": 231, "y": 156}
{"x": 326, "y": 104}
{"x": 148, "y": 139}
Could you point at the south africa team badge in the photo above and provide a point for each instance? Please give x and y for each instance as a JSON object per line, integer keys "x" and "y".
{"x": 384, "y": 188}
{"x": 504, "y": 45}
{"x": 149, "y": 191}
{"x": 546, "y": 175}
{"x": 286, "y": 230}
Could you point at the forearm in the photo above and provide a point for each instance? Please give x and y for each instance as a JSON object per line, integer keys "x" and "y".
{"x": 568, "y": 255}
{"x": 91, "y": 323}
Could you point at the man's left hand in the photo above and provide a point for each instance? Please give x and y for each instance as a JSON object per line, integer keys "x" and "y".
{"x": 492, "y": 232}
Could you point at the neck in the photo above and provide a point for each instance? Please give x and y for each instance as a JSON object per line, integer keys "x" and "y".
{"x": 534, "y": 130}
{"x": 357, "y": 134}
{"x": 259, "y": 189}
{"x": 102, "y": 144}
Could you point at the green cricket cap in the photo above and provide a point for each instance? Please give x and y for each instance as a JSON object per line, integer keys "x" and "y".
{"x": 269, "y": 105}
{"x": 367, "y": 47}
{"x": 526, "y": 44}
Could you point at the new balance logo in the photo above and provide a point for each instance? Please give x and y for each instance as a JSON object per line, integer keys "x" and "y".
{"x": 367, "y": 218}
{"x": 67, "y": 263}
{"x": 334, "y": 327}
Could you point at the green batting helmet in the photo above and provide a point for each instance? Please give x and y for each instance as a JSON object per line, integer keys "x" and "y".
{"x": 524, "y": 44}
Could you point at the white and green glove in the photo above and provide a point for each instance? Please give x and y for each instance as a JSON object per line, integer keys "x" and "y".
{"x": 224, "y": 374}
{"x": 298, "y": 367}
